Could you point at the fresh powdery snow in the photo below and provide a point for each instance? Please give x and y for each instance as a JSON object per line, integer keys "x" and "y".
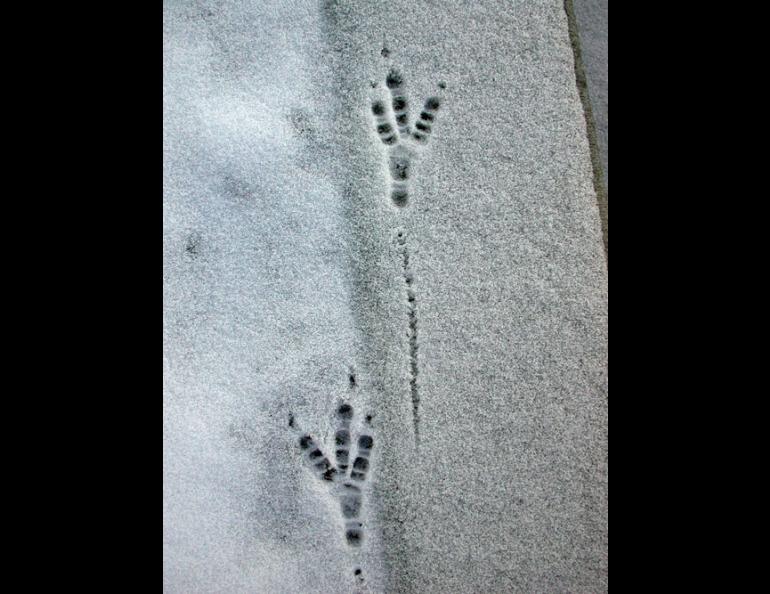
{"x": 385, "y": 301}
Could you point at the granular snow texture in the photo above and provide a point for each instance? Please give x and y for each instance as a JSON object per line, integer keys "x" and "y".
{"x": 449, "y": 285}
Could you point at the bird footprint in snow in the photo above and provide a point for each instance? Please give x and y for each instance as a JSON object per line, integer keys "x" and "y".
{"x": 347, "y": 480}
{"x": 402, "y": 141}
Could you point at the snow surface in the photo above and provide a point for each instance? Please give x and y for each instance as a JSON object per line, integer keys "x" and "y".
{"x": 284, "y": 275}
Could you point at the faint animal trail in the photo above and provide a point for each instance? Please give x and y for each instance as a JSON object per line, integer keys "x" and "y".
{"x": 411, "y": 307}
{"x": 348, "y": 482}
{"x": 403, "y": 143}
